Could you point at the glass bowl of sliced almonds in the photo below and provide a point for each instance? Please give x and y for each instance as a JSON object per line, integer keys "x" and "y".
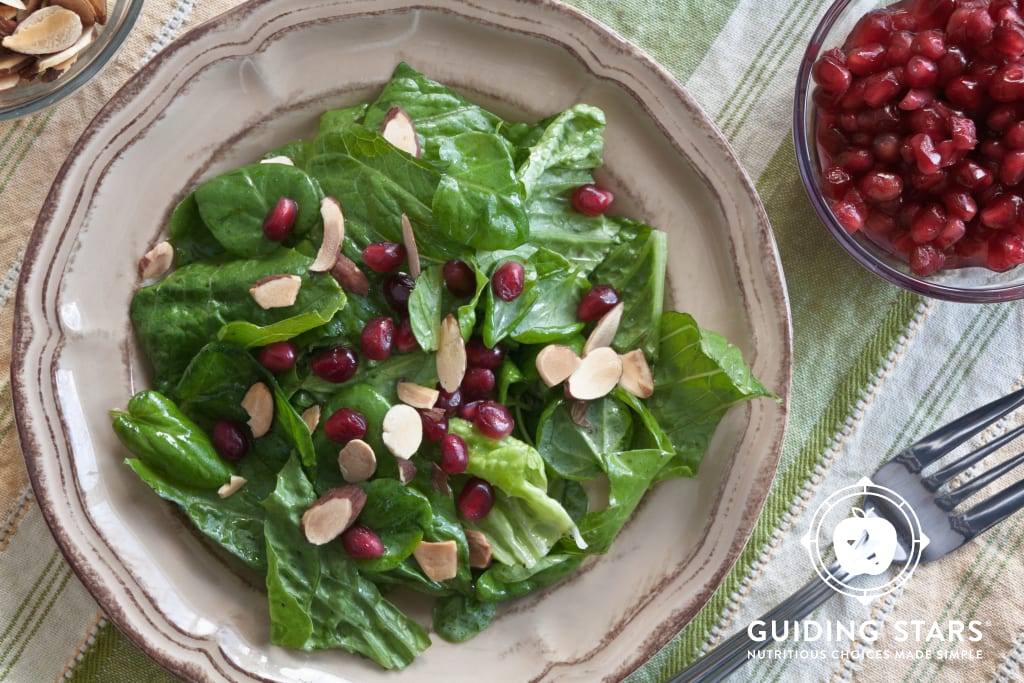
{"x": 49, "y": 48}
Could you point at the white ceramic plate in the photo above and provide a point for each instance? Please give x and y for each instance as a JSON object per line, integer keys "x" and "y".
{"x": 259, "y": 76}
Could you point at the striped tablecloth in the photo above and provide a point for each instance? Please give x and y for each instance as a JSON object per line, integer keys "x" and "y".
{"x": 874, "y": 368}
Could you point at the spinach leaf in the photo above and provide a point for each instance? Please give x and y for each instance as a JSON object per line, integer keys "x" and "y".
{"x": 457, "y": 618}
{"x": 246, "y": 334}
{"x": 235, "y": 204}
{"x": 399, "y": 515}
{"x": 572, "y": 139}
{"x": 699, "y": 376}
{"x": 318, "y": 598}
{"x": 501, "y": 317}
{"x": 341, "y": 119}
{"x": 575, "y": 452}
{"x": 425, "y": 308}
{"x": 192, "y": 240}
{"x": 365, "y": 399}
{"x": 556, "y": 295}
{"x": 298, "y": 151}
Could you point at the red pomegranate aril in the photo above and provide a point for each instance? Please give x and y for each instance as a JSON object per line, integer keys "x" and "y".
{"x": 229, "y": 440}
{"x": 873, "y": 27}
{"x": 1005, "y": 251}
{"x": 885, "y": 148}
{"x": 383, "y": 257}
{"x": 928, "y": 120}
{"x": 849, "y": 214}
{"x": 830, "y": 75}
{"x": 1008, "y": 83}
{"x": 916, "y": 99}
{"x": 879, "y": 223}
{"x": 1002, "y": 117}
{"x": 930, "y": 44}
{"x": 965, "y": 92}
{"x": 477, "y": 383}
{"x": 508, "y": 280}
{"x": 448, "y": 401}
{"x": 377, "y": 338}
{"x": 960, "y": 204}
{"x": 600, "y": 299}
{"x": 1002, "y": 212}
{"x": 1011, "y": 168}
{"x": 493, "y": 420}
{"x": 479, "y": 355}
{"x": 435, "y": 424}
{"x": 280, "y": 219}
{"x": 865, "y": 59}
{"x": 278, "y": 356}
{"x": 405, "y": 339}
{"x": 454, "y": 454}
{"x": 881, "y": 87}
{"x": 1008, "y": 39}
{"x": 952, "y": 233}
{"x": 459, "y": 278}
{"x": 925, "y": 259}
{"x": 972, "y": 175}
{"x": 476, "y": 499}
{"x": 951, "y": 65}
{"x": 361, "y": 543}
{"x": 920, "y": 72}
{"x": 468, "y": 410}
{"x": 337, "y": 364}
{"x": 899, "y": 49}
{"x": 591, "y": 200}
{"x": 928, "y": 224}
{"x": 880, "y": 186}
{"x": 856, "y": 160}
{"x": 1014, "y": 136}
{"x": 925, "y": 156}
{"x": 397, "y": 290}
{"x": 964, "y": 133}
{"x": 345, "y": 424}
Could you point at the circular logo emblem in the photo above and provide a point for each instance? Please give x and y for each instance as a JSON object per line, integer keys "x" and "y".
{"x": 865, "y": 544}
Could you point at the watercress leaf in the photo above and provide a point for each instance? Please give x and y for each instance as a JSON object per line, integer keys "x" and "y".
{"x": 479, "y": 200}
{"x": 235, "y": 204}
{"x": 191, "y": 239}
{"x": 317, "y": 596}
{"x": 699, "y": 376}
{"x": 502, "y": 581}
{"x": 637, "y": 269}
{"x": 425, "y": 307}
{"x": 571, "y": 139}
{"x": 235, "y": 523}
{"x": 574, "y": 452}
{"x": 457, "y": 618}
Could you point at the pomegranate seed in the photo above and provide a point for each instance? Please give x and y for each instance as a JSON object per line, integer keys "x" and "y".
{"x": 435, "y": 424}
{"x": 377, "y": 338}
{"x": 930, "y": 44}
{"x": 1011, "y": 169}
{"x": 405, "y": 339}
{"x": 951, "y": 65}
{"x": 972, "y": 175}
{"x": 454, "y": 454}
{"x": 468, "y": 410}
{"x": 344, "y": 425}
{"x": 964, "y": 133}
{"x": 229, "y": 440}
{"x": 1008, "y": 83}
{"x": 278, "y": 356}
{"x": 280, "y": 219}
{"x": 1003, "y": 211}
{"x": 337, "y": 364}
{"x": 1008, "y": 39}
{"x": 479, "y": 355}
{"x": 849, "y": 214}
{"x": 591, "y": 200}
{"x": 921, "y": 72}
{"x": 493, "y": 420}
{"x": 925, "y": 259}
{"x": 1014, "y": 136}
{"x": 881, "y": 87}
{"x": 864, "y": 60}
{"x": 460, "y": 278}
{"x": 383, "y": 257}
{"x": 508, "y": 280}
{"x": 1005, "y": 250}
{"x": 899, "y": 49}
{"x": 925, "y": 156}
{"x": 965, "y": 92}
{"x": 879, "y": 223}
{"x": 873, "y": 27}
{"x": 881, "y": 186}
{"x": 951, "y": 233}
{"x": 602, "y": 298}
{"x": 928, "y": 224}
{"x": 960, "y": 204}
{"x": 477, "y": 383}
{"x": 448, "y": 401}
{"x": 856, "y": 160}
{"x": 916, "y": 99}
{"x": 361, "y": 543}
{"x": 397, "y": 290}
{"x": 886, "y": 150}
{"x": 476, "y": 499}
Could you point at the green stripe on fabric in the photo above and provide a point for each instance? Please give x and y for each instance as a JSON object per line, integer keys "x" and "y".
{"x": 38, "y": 617}
{"x": 112, "y": 657}
{"x": 28, "y": 602}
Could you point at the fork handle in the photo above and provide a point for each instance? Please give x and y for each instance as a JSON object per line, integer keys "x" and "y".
{"x": 733, "y": 653}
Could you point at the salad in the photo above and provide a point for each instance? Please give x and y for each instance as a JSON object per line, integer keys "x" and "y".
{"x": 406, "y": 354}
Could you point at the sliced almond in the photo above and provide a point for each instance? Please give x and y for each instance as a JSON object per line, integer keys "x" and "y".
{"x": 597, "y": 374}
{"x": 479, "y": 549}
{"x": 397, "y": 128}
{"x": 100, "y": 7}
{"x": 279, "y": 159}
{"x": 55, "y": 71}
{"x": 16, "y": 4}
{"x": 259, "y": 404}
{"x": 83, "y": 8}
{"x": 411, "y": 250}
{"x": 439, "y": 478}
{"x": 402, "y": 431}
{"x": 357, "y": 461}
{"x": 349, "y": 276}
{"x": 406, "y": 471}
{"x": 311, "y": 416}
{"x": 334, "y": 235}
{"x": 9, "y": 81}
{"x": 157, "y": 260}
{"x": 332, "y": 513}
{"x": 439, "y": 560}
{"x": 276, "y": 291}
{"x": 234, "y": 483}
{"x": 8, "y": 16}
{"x": 59, "y": 58}
{"x": 578, "y": 413}
{"x": 451, "y": 354}
{"x": 636, "y": 374}
{"x": 605, "y": 329}
{"x": 45, "y": 31}
{"x": 417, "y": 395}
{"x": 13, "y": 63}
{"x": 556, "y": 362}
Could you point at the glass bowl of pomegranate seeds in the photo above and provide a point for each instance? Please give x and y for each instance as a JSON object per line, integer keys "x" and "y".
{"x": 909, "y": 134}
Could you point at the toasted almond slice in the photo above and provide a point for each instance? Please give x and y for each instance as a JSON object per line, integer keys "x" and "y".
{"x": 406, "y": 470}
{"x": 417, "y": 395}
{"x": 439, "y": 560}
{"x": 334, "y": 235}
{"x": 556, "y": 362}
{"x": 402, "y": 430}
{"x": 234, "y": 483}
{"x": 605, "y": 329}
{"x": 83, "y": 8}
{"x": 397, "y": 129}
{"x": 597, "y": 374}
{"x": 357, "y": 461}
{"x": 332, "y": 513}
{"x": 9, "y": 81}
{"x": 349, "y": 276}
{"x": 100, "y": 7}
{"x": 439, "y": 478}
{"x": 451, "y": 354}
{"x": 55, "y": 60}
{"x": 578, "y": 413}
{"x": 259, "y": 404}
{"x": 636, "y": 374}
{"x": 411, "y": 250}
{"x": 16, "y": 4}
{"x": 479, "y": 549}
{"x": 13, "y": 63}
{"x": 45, "y": 31}
{"x": 279, "y": 159}
{"x": 157, "y": 260}
{"x": 276, "y": 291}
{"x": 311, "y": 416}
{"x": 55, "y": 71}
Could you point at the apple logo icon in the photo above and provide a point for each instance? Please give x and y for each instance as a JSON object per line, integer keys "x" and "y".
{"x": 864, "y": 543}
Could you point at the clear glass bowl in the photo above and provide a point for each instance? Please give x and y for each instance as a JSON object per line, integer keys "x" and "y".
{"x": 972, "y": 284}
{"x": 24, "y": 99}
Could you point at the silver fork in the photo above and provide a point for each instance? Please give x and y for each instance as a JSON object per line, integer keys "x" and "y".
{"x": 933, "y": 500}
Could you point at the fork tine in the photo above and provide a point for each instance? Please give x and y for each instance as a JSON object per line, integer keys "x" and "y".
{"x": 930, "y": 448}
{"x": 936, "y": 480}
{"x": 989, "y": 512}
{"x": 950, "y": 500}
